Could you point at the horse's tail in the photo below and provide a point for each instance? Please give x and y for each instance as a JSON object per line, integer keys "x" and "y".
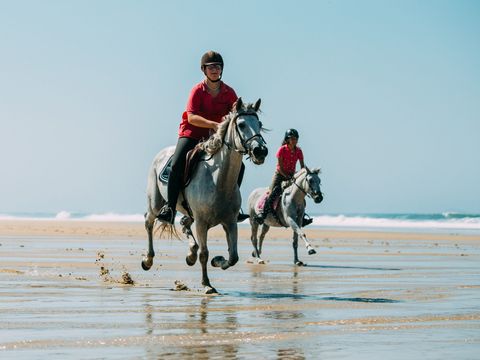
{"x": 165, "y": 230}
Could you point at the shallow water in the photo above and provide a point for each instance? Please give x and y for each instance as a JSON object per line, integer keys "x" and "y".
{"x": 357, "y": 299}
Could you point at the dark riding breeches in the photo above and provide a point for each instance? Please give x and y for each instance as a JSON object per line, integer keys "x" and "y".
{"x": 175, "y": 180}
{"x": 275, "y": 191}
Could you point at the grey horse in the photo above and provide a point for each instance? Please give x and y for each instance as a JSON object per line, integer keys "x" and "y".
{"x": 212, "y": 195}
{"x": 290, "y": 211}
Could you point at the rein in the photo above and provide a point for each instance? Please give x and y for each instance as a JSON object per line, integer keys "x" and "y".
{"x": 302, "y": 189}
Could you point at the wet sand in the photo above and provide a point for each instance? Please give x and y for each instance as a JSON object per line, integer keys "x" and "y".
{"x": 66, "y": 292}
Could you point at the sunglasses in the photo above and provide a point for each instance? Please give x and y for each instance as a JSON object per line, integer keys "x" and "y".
{"x": 214, "y": 67}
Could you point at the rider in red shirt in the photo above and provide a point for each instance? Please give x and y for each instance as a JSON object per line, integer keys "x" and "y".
{"x": 287, "y": 156}
{"x": 209, "y": 101}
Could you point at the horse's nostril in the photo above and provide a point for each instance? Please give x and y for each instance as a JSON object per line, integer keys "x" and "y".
{"x": 259, "y": 151}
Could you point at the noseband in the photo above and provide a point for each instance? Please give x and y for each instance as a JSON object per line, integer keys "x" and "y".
{"x": 244, "y": 142}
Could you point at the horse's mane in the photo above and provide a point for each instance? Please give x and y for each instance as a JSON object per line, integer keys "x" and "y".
{"x": 300, "y": 172}
{"x": 215, "y": 141}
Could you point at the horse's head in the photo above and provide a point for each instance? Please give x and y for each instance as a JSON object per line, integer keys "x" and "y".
{"x": 313, "y": 184}
{"x": 247, "y": 138}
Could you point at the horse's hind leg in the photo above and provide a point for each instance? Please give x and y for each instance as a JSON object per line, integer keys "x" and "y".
{"x": 265, "y": 229}
{"x": 155, "y": 202}
{"x": 147, "y": 262}
{"x": 254, "y": 238}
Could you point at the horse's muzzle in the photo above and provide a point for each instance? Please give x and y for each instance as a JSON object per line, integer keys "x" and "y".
{"x": 318, "y": 198}
{"x": 259, "y": 153}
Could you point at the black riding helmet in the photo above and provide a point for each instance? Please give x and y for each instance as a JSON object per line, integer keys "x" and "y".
{"x": 211, "y": 58}
{"x": 290, "y": 133}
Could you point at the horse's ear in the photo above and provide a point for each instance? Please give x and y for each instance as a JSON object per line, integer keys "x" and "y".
{"x": 239, "y": 104}
{"x": 308, "y": 170}
{"x": 257, "y": 105}
{"x": 317, "y": 171}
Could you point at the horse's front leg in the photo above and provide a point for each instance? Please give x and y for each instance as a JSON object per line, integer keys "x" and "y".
{"x": 296, "y": 260}
{"x": 231, "y": 231}
{"x": 203, "y": 256}
{"x": 298, "y": 231}
{"x": 186, "y": 223}
{"x": 147, "y": 262}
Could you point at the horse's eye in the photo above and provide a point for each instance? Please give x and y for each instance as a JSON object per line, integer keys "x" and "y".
{"x": 241, "y": 125}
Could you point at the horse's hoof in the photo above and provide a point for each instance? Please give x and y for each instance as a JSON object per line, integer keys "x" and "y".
{"x": 261, "y": 262}
{"x": 217, "y": 261}
{"x": 190, "y": 262}
{"x": 311, "y": 252}
{"x": 145, "y": 266}
{"x": 210, "y": 290}
{"x": 300, "y": 263}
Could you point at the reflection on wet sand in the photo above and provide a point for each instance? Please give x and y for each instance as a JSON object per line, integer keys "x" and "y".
{"x": 357, "y": 299}
{"x": 197, "y": 326}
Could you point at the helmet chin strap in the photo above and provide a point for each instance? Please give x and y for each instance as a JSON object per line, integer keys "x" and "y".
{"x": 213, "y": 81}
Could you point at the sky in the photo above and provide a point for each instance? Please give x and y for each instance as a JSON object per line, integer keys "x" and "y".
{"x": 385, "y": 96}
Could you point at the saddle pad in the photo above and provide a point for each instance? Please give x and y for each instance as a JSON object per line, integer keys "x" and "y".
{"x": 263, "y": 199}
{"x": 192, "y": 159}
{"x": 165, "y": 173}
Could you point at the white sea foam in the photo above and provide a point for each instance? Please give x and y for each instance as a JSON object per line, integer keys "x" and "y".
{"x": 445, "y": 221}
{"x": 63, "y": 215}
{"x": 114, "y": 217}
{"x": 375, "y": 222}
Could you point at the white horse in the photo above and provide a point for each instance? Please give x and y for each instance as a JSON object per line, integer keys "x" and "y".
{"x": 289, "y": 212}
{"x": 212, "y": 195}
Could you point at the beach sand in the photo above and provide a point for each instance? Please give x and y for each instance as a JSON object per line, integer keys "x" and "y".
{"x": 75, "y": 289}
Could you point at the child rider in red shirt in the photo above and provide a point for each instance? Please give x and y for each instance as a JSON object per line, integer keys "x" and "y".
{"x": 287, "y": 155}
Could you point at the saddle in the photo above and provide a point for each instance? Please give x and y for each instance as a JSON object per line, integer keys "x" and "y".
{"x": 275, "y": 211}
{"x": 192, "y": 159}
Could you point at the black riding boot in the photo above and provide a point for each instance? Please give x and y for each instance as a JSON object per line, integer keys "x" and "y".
{"x": 241, "y": 215}
{"x": 175, "y": 179}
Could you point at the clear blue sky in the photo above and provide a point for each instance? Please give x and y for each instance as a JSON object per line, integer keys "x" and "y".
{"x": 385, "y": 95}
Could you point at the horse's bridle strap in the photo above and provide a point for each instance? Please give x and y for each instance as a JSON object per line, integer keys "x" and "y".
{"x": 298, "y": 186}
{"x": 242, "y": 141}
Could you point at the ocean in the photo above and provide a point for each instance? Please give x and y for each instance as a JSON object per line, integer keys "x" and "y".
{"x": 437, "y": 222}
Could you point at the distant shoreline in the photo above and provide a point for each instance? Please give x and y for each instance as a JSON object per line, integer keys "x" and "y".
{"x": 443, "y": 223}
{"x": 109, "y": 229}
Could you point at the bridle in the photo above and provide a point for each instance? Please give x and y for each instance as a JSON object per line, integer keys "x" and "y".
{"x": 301, "y": 188}
{"x": 243, "y": 142}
